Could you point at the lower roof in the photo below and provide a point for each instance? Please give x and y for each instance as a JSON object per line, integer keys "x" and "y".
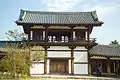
{"x": 105, "y": 50}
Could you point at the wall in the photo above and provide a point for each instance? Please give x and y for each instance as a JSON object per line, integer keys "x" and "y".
{"x": 37, "y": 68}
{"x": 59, "y": 51}
{"x": 80, "y": 60}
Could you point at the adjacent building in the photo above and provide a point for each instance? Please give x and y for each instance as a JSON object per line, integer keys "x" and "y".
{"x": 107, "y": 56}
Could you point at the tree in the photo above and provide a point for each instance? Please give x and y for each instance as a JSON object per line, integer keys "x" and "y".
{"x": 18, "y": 60}
{"x": 115, "y": 42}
{"x": 14, "y": 61}
{"x": 16, "y": 35}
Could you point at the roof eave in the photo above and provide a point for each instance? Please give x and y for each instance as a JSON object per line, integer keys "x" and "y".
{"x": 83, "y": 24}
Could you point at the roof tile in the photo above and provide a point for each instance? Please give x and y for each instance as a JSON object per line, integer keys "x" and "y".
{"x": 38, "y": 17}
{"x": 105, "y": 50}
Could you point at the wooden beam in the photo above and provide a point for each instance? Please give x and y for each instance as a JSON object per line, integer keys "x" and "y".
{"x": 47, "y": 24}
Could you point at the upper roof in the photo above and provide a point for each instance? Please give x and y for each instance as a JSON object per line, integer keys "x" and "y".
{"x": 39, "y": 17}
{"x": 105, "y": 50}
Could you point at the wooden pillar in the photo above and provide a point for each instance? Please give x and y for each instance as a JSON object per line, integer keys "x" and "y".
{"x": 117, "y": 67}
{"x": 29, "y": 32}
{"x": 71, "y": 33}
{"x": 72, "y": 58}
{"x": 114, "y": 67}
{"x": 72, "y": 61}
{"x": 88, "y": 34}
{"x": 45, "y": 59}
{"x": 118, "y": 64}
{"x": 108, "y": 67}
{"x": 89, "y": 65}
{"x": 46, "y": 34}
{"x": 29, "y": 35}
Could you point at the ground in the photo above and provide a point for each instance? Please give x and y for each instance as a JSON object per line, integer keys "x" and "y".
{"x": 54, "y": 79}
{"x": 64, "y": 77}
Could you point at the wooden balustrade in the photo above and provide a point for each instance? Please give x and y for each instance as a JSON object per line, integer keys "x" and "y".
{"x": 64, "y": 40}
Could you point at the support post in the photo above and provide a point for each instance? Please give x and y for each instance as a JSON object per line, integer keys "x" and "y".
{"x": 89, "y": 65}
{"x": 46, "y": 34}
{"x": 45, "y": 59}
{"x": 29, "y": 35}
{"x": 72, "y": 58}
{"x": 88, "y": 35}
{"x": 71, "y": 33}
{"x": 72, "y": 61}
{"x": 114, "y": 67}
{"x": 108, "y": 67}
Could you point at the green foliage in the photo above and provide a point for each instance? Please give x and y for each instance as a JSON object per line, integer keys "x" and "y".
{"x": 17, "y": 61}
{"x": 38, "y": 53}
{"x": 115, "y": 42}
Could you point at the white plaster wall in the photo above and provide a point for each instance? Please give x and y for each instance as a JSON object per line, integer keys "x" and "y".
{"x": 58, "y": 48}
{"x": 80, "y": 68}
{"x": 69, "y": 63}
{"x": 59, "y": 54}
{"x": 80, "y": 48}
{"x": 80, "y": 56}
{"x": 37, "y": 68}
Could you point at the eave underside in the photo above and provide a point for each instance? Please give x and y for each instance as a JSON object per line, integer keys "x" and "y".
{"x": 95, "y": 56}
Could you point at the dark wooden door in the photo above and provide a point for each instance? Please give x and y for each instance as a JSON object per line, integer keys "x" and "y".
{"x": 57, "y": 66}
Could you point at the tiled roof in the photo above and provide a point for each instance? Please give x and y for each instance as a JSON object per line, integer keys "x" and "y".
{"x": 38, "y": 17}
{"x": 105, "y": 50}
{"x": 3, "y": 43}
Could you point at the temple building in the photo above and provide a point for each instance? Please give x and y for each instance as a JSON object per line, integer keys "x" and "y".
{"x": 65, "y": 37}
{"x": 108, "y": 56}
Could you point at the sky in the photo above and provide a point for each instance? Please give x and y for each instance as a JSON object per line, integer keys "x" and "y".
{"x": 108, "y": 11}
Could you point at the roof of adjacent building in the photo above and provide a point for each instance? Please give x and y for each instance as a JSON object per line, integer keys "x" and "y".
{"x": 3, "y": 43}
{"x": 39, "y": 17}
{"x": 105, "y": 50}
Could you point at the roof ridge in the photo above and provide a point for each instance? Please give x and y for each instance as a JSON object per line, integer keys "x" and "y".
{"x": 55, "y": 12}
{"x": 108, "y": 45}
